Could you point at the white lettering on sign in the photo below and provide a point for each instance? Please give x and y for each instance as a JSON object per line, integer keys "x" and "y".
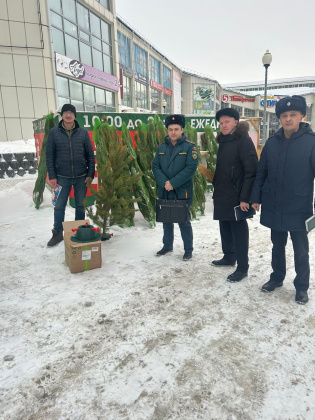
{"x": 86, "y": 255}
{"x": 130, "y": 124}
{"x": 118, "y": 121}
{"x": 109, "y": 120}
{"x": 137, "y": 122}
{"x": 86, "y": 121}
{"x": 192, "y": 123}
{"x": 214, "y": 125}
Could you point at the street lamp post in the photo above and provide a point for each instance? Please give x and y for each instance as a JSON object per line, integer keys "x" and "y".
{"x": 267, "y": 58}
{"x": 164, "y": 105}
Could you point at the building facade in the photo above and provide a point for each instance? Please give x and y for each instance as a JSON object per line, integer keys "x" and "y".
{"x": 58, "y": 51}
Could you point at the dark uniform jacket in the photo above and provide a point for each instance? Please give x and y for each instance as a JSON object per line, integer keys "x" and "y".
{"x": 71, "y": 155}
{"x": 176, "y": 164}
{"x": 235, "y": 172}
{"x": 285, "y": 180}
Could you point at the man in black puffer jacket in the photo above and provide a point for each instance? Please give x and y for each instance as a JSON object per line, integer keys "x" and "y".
{"x": 284, "y": 188}
{"x": 233, "y": 181}
{"x": 70, "y": 162}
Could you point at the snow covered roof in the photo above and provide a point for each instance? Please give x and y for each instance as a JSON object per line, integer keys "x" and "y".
{"x": 285, "y": 91}
{"x": 274, "y": 81}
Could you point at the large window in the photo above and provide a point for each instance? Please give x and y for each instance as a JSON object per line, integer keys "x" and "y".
{"x": 126, "y": 101}
{"x": 83, "y": 96}
{"x": 124, "y": 50}
{"x": 80, "y": 34}
{"x": 155, "y": 70}
{"x": 155, "y": 100}
{"x": 140, "y": 60}
{"x": 249, "y": 112}
{"x": 168, "y": 108}
{"x": 239, "y": 109}
{"x": 167, "y": 78}
{"x": 141, "y": 95}
{"x": 309, "y": 113}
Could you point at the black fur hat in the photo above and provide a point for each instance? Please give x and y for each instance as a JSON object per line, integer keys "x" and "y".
{"x": 68, "y": 107}
{"x": 229, "y": 112}
{"x": 175, "y": 119}
{"x": 291, "y": 103}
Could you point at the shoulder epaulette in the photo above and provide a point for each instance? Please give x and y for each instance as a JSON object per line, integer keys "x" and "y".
{"x": 191, "y": 142}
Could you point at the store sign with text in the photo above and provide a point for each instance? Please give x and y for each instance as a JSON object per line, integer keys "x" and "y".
{"x": 236, "y": 98}
{"x": 271, "y": 101}
{"x": 156, "y": 85}
{"x": 83, "y": 72}
{"x": 167, "y": 91}
{"x": 140, "y": 78}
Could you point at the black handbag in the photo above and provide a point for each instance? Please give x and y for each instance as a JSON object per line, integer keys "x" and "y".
{"x": 171, "y": 211}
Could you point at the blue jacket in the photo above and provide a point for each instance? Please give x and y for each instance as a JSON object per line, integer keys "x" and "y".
{"x": 176, "y": 164}
{"x": 285, "y": 180}
{"x": 69, "y": 156}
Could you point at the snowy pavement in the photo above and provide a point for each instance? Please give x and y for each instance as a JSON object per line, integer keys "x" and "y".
{"x": 146, "y": 337}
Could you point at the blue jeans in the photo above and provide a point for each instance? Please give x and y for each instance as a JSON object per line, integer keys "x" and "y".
{"x": 79, "y": 195}
{"x": 186, "y": 232}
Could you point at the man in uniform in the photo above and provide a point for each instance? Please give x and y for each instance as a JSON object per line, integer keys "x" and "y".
{"x": 70, "y": 162}
{"x": 173, "y": 166}
{"x": 284, "y": 187}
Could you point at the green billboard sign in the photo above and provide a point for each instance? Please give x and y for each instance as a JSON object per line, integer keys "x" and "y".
{"x": 87, "y": 120}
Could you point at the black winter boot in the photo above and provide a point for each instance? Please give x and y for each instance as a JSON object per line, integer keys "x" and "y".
{"x": 56, "y": 238}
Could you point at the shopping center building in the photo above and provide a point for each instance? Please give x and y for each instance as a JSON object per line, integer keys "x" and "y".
{"x": 79, "y": 51}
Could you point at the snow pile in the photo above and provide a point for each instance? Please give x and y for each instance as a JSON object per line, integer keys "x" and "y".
{"x": 147, "y": 337}
{"x": 18, "y": 146}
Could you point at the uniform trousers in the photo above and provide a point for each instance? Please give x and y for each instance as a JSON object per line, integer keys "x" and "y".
{"x": 186, "y": 233}
{"x": 301, "y": 257}
{"x": 234, "y": 240}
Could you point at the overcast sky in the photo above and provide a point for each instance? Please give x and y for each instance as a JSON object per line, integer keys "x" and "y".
{"x": 226, "y": 39}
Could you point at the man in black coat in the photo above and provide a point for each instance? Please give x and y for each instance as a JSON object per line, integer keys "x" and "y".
{"x": 70, "y": 162}
{"x": 173, "y": 166}
{"x": 233, "y": 180}
{"x": 284, "y": 187}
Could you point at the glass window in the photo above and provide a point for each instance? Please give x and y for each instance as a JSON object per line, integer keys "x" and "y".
{"x": 58, "y": 41}
{"x": 141, "y": 95}
{"x": 97, "y": 43}
{"x": 167, "y": 78}
{"x": 107, "y": 49}
{"x": 88, "y": 92}
{"x": 155, "y": 100}
{"x": 100, "y": 96}
{"x": 68, "y": 8}
{"x": 83, "y": 17}
{"x": 249, "y": 112}
{"x": 70, "y": 28}
{"x": 140, "y": 60}
{"x": 108, "y": 67}
{"x": 85, "y": 54}
{"x": 55, "y": 5}
{"x": 110, "y": 100}
{"x": 168, "y": 108}
{"x": 155, "y": 70}
{"x": 89, "y": 108}
{"x": 72, "y": 47}
{"x": 56, "y": 20}
{"x": 76, "y": 90}
{"x": 84, "y": 36}
{"x": 309, "y": 113}
{"x": 78, "y": 104}
{"x": 62, "y": 86}
{"x": 126, "y": 101}
{"x": 95, "y": 25}
{"x": 123, "y": 50}
{"x": 105, "y": 3}
{"x": 106, "y": 32}
{"x": 97, "y": 59}
{"x": 62, "y": 101}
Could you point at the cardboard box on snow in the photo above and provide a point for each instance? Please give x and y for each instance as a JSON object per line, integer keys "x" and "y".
{"x": 80, "y": 256}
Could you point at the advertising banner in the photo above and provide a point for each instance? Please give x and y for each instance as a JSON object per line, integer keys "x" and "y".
{"x": 177, "y": 92}
{"x": 203, "y": 95}
{"x": 83, "y": 72}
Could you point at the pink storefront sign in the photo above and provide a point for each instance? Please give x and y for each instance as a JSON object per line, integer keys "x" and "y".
{"x": 83, "y": 72}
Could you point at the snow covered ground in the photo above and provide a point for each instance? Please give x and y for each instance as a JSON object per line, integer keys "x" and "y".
{"x": 146, "y": 337}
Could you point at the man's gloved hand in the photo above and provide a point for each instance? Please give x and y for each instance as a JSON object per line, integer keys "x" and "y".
{"x": 88, "y": 181}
